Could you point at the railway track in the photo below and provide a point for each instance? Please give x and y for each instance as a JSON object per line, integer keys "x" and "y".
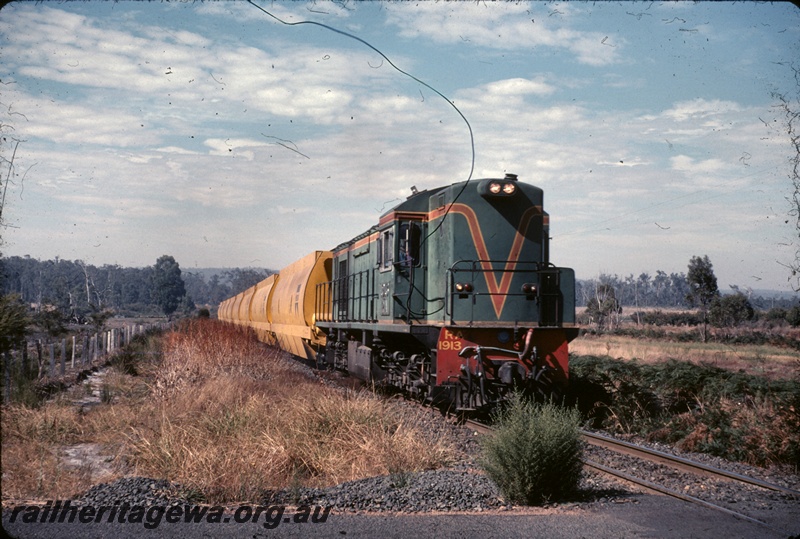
{"x": 679, "y": 463}
{"x": 620, "y": 447}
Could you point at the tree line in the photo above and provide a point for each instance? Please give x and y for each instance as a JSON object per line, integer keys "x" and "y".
{"x": 697, "y": 289}
{"x": 62, "y": 291}
{"x": 76, "y": 290}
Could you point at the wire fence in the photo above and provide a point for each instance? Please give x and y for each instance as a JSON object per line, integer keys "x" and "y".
{"x": 44, "y": 360}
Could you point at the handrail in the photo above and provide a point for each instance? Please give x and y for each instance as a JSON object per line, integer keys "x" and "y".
{"x": 547, "y": 295}
{"x": 350, "y": 298}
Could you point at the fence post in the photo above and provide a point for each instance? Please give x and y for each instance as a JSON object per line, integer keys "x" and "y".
{"x": 7, "y": 368}
{"x": 39, "y": 358}
{"x": 85, "y": 350}
{"x": 63, "y": 356}
{"x": 52, "y": 348}
{"x": 73, "y": 352}
{"x": 25, "y": 367}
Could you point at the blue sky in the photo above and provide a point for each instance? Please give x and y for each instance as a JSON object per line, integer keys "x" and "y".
{"x": 211, "y": 132}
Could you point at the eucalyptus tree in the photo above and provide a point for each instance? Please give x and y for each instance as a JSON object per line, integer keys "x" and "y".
{"x": 703, "y": 289}
{"x": 168, "y": 285}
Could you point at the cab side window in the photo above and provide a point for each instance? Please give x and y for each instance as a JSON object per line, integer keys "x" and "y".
{"x": 408, "y": 244}
{"x": 386, "y": 249}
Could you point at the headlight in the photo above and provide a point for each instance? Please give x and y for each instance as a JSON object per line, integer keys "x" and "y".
{"x": 506, "y": 187}
{"x": 529, "y": 289}
{"x": 463, "y": 288}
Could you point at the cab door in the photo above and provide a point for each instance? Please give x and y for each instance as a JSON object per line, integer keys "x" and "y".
{"x": 385, "y": 272}
{"x": 409, "y": 270}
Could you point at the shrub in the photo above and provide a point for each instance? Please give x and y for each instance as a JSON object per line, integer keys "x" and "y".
{"x": 612, "y": 394}
{"x": 13, "y": 322}
{"x": 666, "y": 318}
{"x": 793, "y": 316}
{"x": 730, "y": 311}
{"x": 776, "y": 314}
{"x": 534, "y": 455}
{"x": 697, "y": 407}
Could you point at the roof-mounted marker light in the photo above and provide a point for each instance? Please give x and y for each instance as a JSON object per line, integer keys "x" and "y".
{"x": 505, "y": 187}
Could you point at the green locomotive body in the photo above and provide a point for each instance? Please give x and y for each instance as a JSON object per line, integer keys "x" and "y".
{"x": 439, "y": 298}
{"x": 450, "y": 297}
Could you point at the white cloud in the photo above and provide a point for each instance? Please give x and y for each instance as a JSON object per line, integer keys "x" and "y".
{"x": 75, "y": 123}
{"x": 701, "y": 109}
{"x": 506, "y": 26}
{"x": 685, "y": 163}
{"x": 172, "y": 149}
{"x": 519, "y": 87}
{"x": 226, "y": 146}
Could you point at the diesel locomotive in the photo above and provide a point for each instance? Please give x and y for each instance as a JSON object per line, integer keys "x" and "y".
{"x": 451, "y": 297}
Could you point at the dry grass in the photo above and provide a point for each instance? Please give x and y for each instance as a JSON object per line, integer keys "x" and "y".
{"x": 284, "y": 427}
{"x": 764, "y": 360}
{"x": 222, "y": 415}
{"x": 756, "y": 432}
{"x": 206, "y": 349}
{"x": 30, "y": 464}
{"x": 701, "y": 408}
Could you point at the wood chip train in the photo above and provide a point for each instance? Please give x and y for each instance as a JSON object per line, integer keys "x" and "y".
{"x": 450, "y": 297}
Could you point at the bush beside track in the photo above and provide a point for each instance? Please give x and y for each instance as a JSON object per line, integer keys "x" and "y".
{"x": 535, "y": 452}
{"x": 698, "y": 408}
{"x": 784, "y": 337}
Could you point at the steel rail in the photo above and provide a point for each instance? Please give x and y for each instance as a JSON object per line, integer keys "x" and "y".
{"x": 477, "y": 426}
{"x": 681, "y": 463}
{"x": 673, "y": 493}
